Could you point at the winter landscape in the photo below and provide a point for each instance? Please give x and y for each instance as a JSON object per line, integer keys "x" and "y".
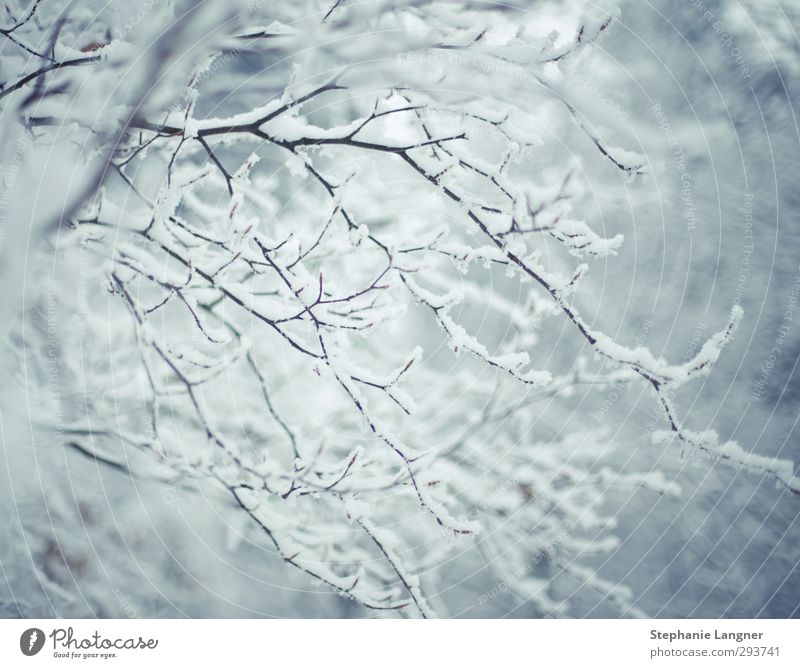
{"x": 417, "y": 308}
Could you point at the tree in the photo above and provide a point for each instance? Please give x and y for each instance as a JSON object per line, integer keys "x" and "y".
{"x": 333, "y": 256}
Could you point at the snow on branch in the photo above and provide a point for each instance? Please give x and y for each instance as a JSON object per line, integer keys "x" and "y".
{"x": 294, "y": 262}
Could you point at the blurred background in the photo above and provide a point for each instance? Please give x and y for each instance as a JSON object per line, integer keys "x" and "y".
{"x": 706, "y": 90}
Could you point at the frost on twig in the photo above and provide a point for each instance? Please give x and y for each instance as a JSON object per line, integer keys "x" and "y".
{"x": 333, "y": 296}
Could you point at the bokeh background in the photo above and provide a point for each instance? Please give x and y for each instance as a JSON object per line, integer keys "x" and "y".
{"x": 79, "y": 539}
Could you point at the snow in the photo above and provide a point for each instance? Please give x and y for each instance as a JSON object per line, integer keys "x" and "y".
{"x": 183, "y": 338}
